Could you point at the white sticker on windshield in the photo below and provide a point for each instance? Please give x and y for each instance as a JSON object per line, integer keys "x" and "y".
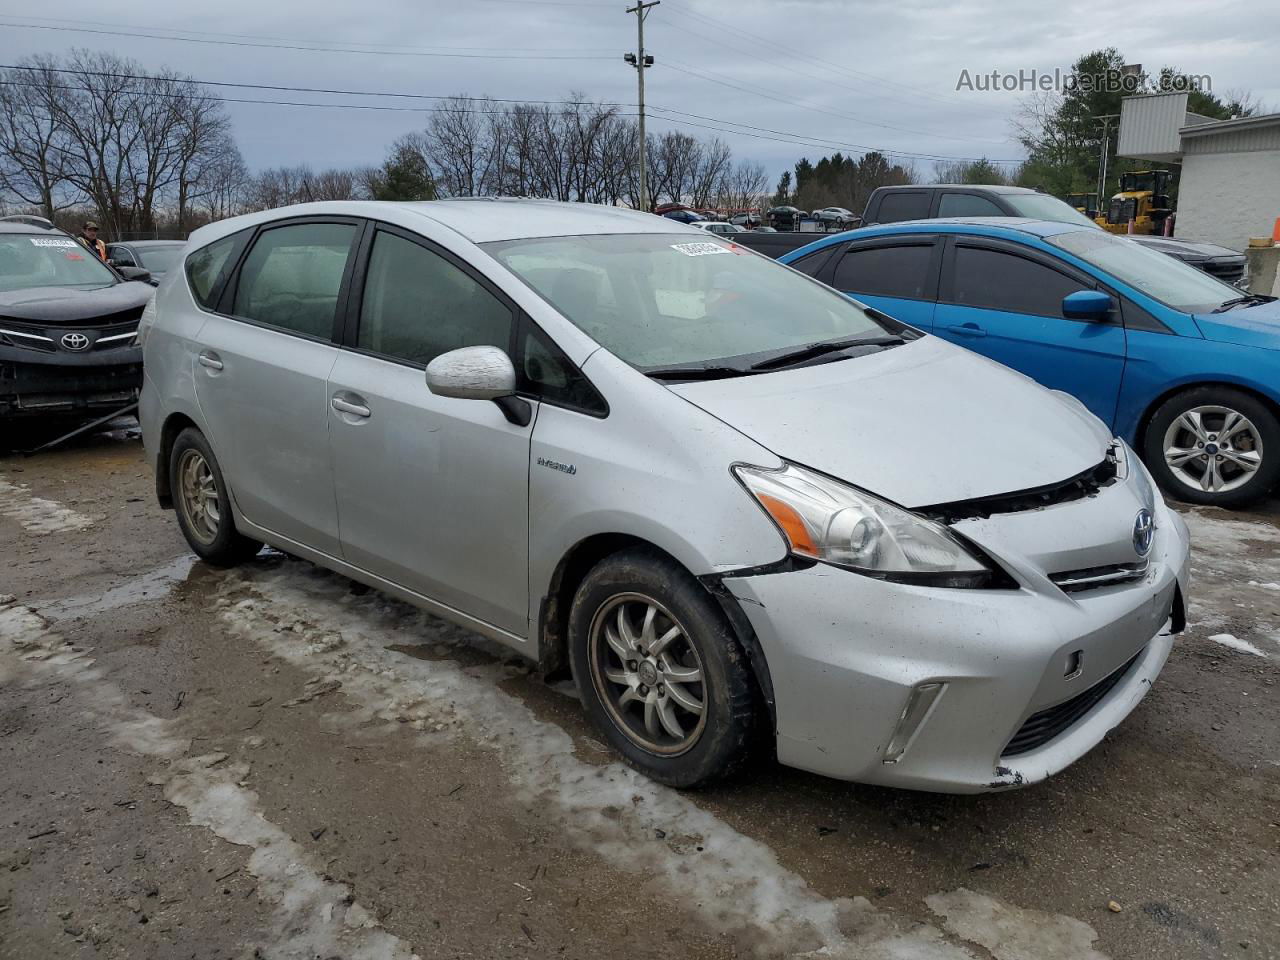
{"x": 53, "y": 242}
{"x": 701, "y": 249}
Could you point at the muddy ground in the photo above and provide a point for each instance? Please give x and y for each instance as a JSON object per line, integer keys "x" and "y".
{"x": 275, "y": 762}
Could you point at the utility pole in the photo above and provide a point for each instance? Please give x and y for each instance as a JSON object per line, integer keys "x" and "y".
{"x": 1106, "y": 119}
{"x": 641, "y": 62}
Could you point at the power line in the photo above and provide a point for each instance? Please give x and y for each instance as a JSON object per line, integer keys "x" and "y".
{"x": 756, "y": 91}
{"x": 299, "y": 46}
{"x": 779, "y": 136}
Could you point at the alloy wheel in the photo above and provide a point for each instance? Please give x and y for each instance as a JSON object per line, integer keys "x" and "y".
{"x": 1213, "y": 449}
{"x": 198, "y": 496}
{"x": 648, "y": 674}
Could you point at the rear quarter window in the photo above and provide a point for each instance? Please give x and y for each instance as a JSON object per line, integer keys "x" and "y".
{"x": 209, "y": 267}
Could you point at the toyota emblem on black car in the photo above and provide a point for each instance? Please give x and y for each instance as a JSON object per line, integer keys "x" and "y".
{"x": 75, "y": 341}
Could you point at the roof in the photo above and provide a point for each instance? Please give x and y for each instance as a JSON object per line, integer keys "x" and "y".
{"x": 144, "y": 244}
{"x": 985, "y": 187}
{"x": 27, "y": 226}
{"x": 991, "y": 226}
{"x": 485, "y": 219}
{"x": 1227, "y": 126}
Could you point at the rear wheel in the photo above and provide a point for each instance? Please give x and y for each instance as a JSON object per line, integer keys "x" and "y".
{"x": 203, "y": 505}
{"x": 660, "y": 672}
{"x": 1215, "y": 446}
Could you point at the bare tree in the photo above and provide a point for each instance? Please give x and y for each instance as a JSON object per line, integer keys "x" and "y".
{"x": 744, "y": 187}
{"x": 33, "y": 145}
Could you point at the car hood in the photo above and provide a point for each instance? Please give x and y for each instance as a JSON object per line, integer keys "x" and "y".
{"x": 1257, "y": 326}
{"x": 68, "y": 305}
{"x": 1187, "y": 249}
{"x": 922, "y": 424}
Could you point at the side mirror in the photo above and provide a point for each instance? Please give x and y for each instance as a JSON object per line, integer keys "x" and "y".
{"x": 472, "y": 373}
{"x": 480, "y": 373}
{"x": 1092, "y": 305}
{"x": 135, "y": 273}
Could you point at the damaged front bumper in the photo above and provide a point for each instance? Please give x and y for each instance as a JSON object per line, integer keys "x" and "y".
{"x": 968, "y": 690}
{"x": 38, "y": 384}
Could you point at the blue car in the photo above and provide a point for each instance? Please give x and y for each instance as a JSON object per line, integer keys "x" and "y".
{"x": 1177, "y": 363}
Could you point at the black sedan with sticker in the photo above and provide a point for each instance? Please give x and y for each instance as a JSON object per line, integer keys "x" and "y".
{"x": 67, "y": 326}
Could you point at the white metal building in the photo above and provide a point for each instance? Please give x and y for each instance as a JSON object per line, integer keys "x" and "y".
{"x": 1230, "y": 187}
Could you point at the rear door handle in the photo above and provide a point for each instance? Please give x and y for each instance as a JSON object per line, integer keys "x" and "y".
{"x": 355, "y": 409}
{"x": 210, "y": 360}
{"x": 967, "y": 330}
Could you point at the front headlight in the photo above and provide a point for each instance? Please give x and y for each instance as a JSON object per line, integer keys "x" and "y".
{"x": 823, "y": 519}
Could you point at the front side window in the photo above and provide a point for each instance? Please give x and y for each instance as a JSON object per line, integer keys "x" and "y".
{"x": 656, "y": 300}
{"x": 417, "y": 305}
{"x": 1158, "y": 275}
{"x": 292, "y": 276}
{"x": 545, "y": 372}
{"x": 901, "y": 271}
{"x": 1003, "y": 281}
{"x": 967, "y": 205}
{"x": 44, "y": 260}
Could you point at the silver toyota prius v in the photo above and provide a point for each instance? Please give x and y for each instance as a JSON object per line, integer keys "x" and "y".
{"x": 739, "y": 507}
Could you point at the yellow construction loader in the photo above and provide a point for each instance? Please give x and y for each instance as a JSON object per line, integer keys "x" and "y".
{"x": 1143, "y": 198}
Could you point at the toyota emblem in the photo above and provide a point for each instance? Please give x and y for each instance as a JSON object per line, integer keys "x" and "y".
{"x": 1144, "y": 528}
{"x": 75, "y": 341}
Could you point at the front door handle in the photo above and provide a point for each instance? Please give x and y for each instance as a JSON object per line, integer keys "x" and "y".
{"x": 355, "y": 409}
{"x": 967, "y": 330}
{"x": 210, "y": 360}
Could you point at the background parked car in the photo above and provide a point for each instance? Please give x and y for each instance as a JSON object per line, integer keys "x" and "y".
{"x": 67, "y": 326}
{"x": 836, "y": 217}
{"x": 157, "y": 257}
{"x": 930, "y": 201}
{"x": 719, "y": 227}
{"x": 1179, "y": 364}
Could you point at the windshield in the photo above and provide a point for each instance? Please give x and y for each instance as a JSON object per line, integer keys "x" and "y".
{"x": 658, "y": 300}
{"x": 159, "y": 259}
{"x": 1044, "y": 207}
{"x": 49, "y": 261}
{"x": 1158, "y": 275}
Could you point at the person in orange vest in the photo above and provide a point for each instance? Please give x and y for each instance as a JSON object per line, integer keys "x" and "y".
{"x": 89, "y": 237}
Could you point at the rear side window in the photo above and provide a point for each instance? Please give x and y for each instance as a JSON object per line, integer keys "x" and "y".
{"x": 208, "y": 267}
{"x": 1003, "y": 281}
{"x": 901, "y": 271}
{"x": 967, "y": 205}
{"x": 292, "y": 276}
{"x": 908, "y": 205}
{"x": 417, "y": 305}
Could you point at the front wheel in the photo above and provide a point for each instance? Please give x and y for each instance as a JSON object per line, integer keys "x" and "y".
{"x": 203, "y": 504}
{"x": 660, "y": 672}
{"x": 1215, "y": 446}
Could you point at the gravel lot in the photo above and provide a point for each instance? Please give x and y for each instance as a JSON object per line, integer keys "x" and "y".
{"x": 276, "y": 762}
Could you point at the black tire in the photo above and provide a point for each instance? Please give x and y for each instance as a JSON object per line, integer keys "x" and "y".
{"x": 1179, "y": 482}
{"x": 721, "y": 742}
{"x": 217, "y": 543}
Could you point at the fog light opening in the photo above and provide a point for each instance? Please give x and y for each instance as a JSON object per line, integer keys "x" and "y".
{"x": 919, "y": 706}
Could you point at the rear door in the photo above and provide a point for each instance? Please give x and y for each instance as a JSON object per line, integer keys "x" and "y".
{"x": 1004, "y": 301}
{"x": 432, "y": 492}
{"x": 897, "y": 275}
{"x": 262, "y": 366}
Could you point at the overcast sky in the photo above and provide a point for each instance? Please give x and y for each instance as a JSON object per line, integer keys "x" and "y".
{"x": 847, "y": 72}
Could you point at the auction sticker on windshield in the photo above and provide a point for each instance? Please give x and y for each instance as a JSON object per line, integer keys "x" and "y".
{"x": 699, "y": 249}
{"x": 53, "y": 242}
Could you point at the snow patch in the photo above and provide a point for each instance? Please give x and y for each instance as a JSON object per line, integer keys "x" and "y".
{"x": 36, "y": 514}
{"x": 1244, "y": 646}
{"x": 1011, "y": 933}
{"x": 311, "y": 619}
{"x": 315, "y": 917}
{"x": 148, "y": 586}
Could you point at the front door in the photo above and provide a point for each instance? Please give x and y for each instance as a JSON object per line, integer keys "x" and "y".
{"x": 1007, "y": 305}
{"x": 261, "y": 373}
{"x": 433, "y": 492}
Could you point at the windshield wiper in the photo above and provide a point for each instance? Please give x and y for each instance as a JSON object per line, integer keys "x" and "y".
{"x": 824, "y": 346}
{"x": 1253, "y": 298}
{"x": 709, "y": 372}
